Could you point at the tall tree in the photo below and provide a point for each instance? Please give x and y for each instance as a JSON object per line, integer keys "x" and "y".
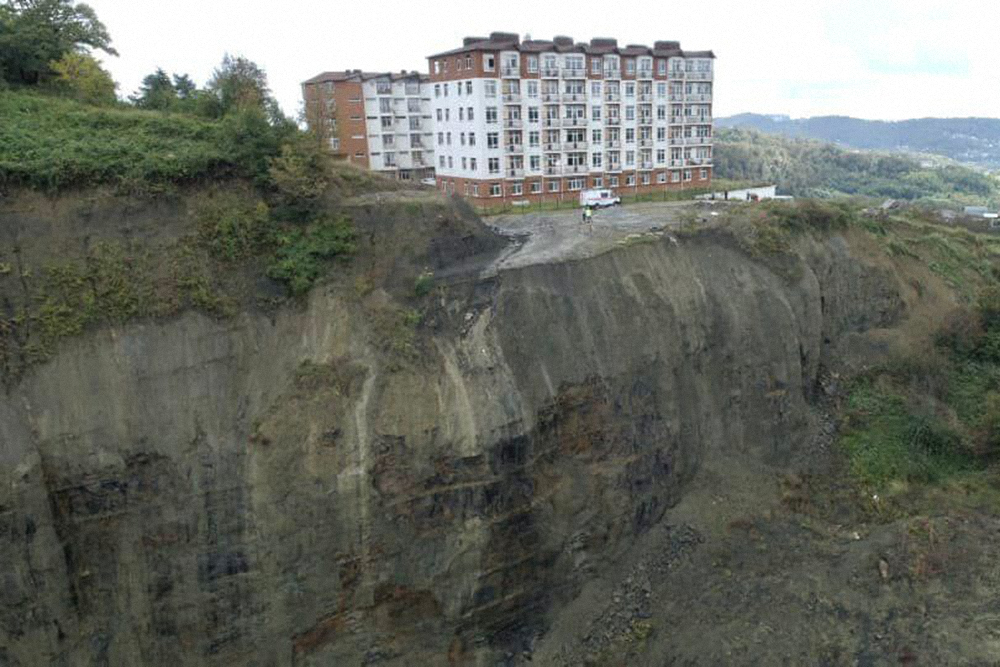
{"x": 36, "y": 33}
{"x": 156, "y": 92}
{"x": 184, "y": 86}
{"x": 82, "y": 77}
{"x": 240, "y": 84}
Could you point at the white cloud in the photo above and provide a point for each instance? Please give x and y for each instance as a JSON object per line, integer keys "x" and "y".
{"x": 867, "y": 58}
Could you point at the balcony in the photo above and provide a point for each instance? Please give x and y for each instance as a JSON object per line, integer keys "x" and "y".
{"x": 553, "y": 146}
{"x": 512, "y": 98}
{"x": 645, "y": 120}
{"x": 550, "y": 97}
{"x": 698, "y": 120}
{"x": 677, "y": 163}
{"x": 612, "y": 73}
{"x": 613, "y": 143}
{"x": 645, "y": 143}
{"x": 513, "y": 148}
{"x": 675, "y": 74}
{"x": 515, "y": 172}
{"x": 677, "y": 119}
{"x": 614, "y": 166}
{"x": 613, "y": 120}
{"x": 552, "y": 170}
{"x": 699, "y": 76}
{"x": 645, "y": 73}
{"x": 676, "y": 97}
{"x": 550, "y": 122}
{"x": 574, "y": 169}
{"x": 699, "y": 161}
{"x": 575, "y": 146}
{"x": 645, "y": 97}
{"x": 613, "y": 97}
{"x": 510, "y": 71}
{"x": 646, "y": 164}
{"x": 516, "y": 123}
{"x": 574, "y": 73}
{"x": 579, "y": 98}
{"x": 676, "y": 141}
{"x": 550, "y": 72}
{"x": 492, "y": 121}
{"x": 695, "y": 141}
{"x": 700, "y": 97}
{"x": 574, "y": 122}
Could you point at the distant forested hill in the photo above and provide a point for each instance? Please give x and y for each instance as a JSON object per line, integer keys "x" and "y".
{"x": 809, "y": 168}
{"x": 971, "y": 140}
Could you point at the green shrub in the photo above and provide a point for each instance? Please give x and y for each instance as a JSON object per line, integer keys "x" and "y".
{"x": 303, "y": 253}
{"x": 424, "y": 283}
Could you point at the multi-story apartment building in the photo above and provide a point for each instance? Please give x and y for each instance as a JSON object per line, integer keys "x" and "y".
{"x": 525, "y": 120}
{"x": 378, "y": 120}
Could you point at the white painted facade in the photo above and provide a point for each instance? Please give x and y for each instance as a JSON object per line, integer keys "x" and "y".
{"x": 399, "y": 124}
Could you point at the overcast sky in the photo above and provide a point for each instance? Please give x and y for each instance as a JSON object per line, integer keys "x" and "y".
{"x": 888, "y": 59}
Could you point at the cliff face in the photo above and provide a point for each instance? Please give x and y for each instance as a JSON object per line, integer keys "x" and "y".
{"x": 276, "y": 489}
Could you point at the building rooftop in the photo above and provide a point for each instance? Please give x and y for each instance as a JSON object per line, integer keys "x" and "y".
{"x": 359, "y": 76}
{"x": 508, "y": 41}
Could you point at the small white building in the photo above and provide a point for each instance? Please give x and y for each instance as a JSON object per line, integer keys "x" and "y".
{"x": 744, "y": 194}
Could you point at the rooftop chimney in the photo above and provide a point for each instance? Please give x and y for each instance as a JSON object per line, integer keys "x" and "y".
{"x": 471, "y": 40}
{"x": 666, "y": 46}
{"x": 505, "y": 37}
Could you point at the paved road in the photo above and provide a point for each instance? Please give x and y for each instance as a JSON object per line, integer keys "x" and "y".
{"x": 551, "y": 236}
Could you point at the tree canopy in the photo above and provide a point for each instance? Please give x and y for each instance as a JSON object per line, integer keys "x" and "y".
{"x": 36, "y": 33}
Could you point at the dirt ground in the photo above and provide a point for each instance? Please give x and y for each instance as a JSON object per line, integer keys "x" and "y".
{"x": 760, "y": 566}
{"x": 550, "y": 236}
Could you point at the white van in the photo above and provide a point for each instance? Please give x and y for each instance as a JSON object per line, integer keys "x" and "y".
{"x": 599, "y": 198}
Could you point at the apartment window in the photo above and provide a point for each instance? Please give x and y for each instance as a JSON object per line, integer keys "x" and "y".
{"x": 386, "y": 122}
{"x": 575, "y": 184}
{"x": 441, "y": 160}
{"x": 630, "y": 135}
{"x": 687, "y": 174}
{"x": 661, "y": 112}
{"x": 461, "y": 138}
{"x": 389, "y": 159}
{"x": 532, "y": 65}
{"x": 450, "y": 162}
{"x": 645, "y": 179}
{"x": 437, "y": 66}
{"x": 703, "y": 174}
{"x": 447, "y": 138}
{"x": 437, "y": 89}
{"x": 494, "y": 189}
{"x": 629, "y": 90}
{"x": 532, "y": 89}
{"x": 472, "y": 138}
{"x": 661, "y": 90}
{"x": 465, "y": 163}
{"x": 532, "y": 114}
{"x": 493, "y": 164}
{"x": 461, "y": 113}
{"x": 440, "y": 138}
{"x": 629, "y": 113}
{"x": 383, "y": 88}
{"x": 596, "y": 160}
{"x": 334, "y": 143}
{"x": 447, "y": 114}
{"x": 630, "y": 181}
{"x": 413, "y": 105}
{"x": 488, "y": 62}
{"x": 595, "y": 136}
{"x": 675, "y": 176}
{"x": 598, "y": 182}
{"x": 458, "y": 86}
{"x": 595, "y": 113}
{"x": 491, "y": 115}
{"x": 412, "y": 88}
{"x": 493, "y": 140}
{"x": 612, "y": 181}
{"x": 444, "y": 65}
{"x": 472, "y": 163}
{"x": 446, "y": 90}
{"x": 553, "y": 186}
{"x": 536, "y": 187}
{"x": 535, "y": 162}
{"x": 661, "y": 156}
{"x": 629, "y": 158}
{"x": 517, "y": 189}
{"x": 595, "y": 67}
{"x": 468, "y": 87}
{"x": 416, "y": 141}
{"x": 630, "y": 65}
{"x": 388, "y": 140}
{"x": 661, "y": 67}
{"x": 661, "y": 177}
{"x": 468, "y": 113}
{"x": 661, "y": 134}
{"x": 440, "y": 114}
{"x": 533, "y": 139}
{"x": 468, "y": 62}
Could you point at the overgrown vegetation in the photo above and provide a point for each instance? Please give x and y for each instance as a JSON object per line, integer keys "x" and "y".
{"x": 807, "y": 168}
